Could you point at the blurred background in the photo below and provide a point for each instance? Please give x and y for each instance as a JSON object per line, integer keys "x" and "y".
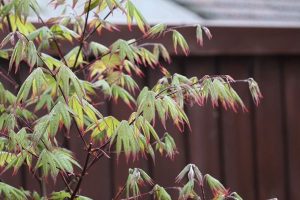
{"x": 254, "y": 153}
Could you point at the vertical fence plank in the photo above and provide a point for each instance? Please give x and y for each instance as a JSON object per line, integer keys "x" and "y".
{"x": 97, "y": 183}
{"x": 120, "y": 167}
{"x": 268, "y": 129}
{"x": 237, "y": 132}
{"x": 292, "y": 96}
{"x": 203, "y": 139}
{"x": 165, "y": 170}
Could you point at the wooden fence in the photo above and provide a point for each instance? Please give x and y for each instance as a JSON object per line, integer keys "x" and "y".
{"x": 253, "y": 153}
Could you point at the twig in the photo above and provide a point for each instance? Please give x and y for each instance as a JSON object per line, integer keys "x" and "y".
{"x": 9, "y": 79}
{"x": 61, "y": 91}
{"x": 83, "y": 33}
{"x": 120, "y": 192}
{"x": 83, "y": 172}
{"x": 202, "y": 192}
{"x": 8, "y": 19}
{"x": 150, "y": 193}
{"x": 144, "y": 37}
{"x": 65, "y": 181}
{"x": 59, "y": 51}
{"x": 99, "y": 155}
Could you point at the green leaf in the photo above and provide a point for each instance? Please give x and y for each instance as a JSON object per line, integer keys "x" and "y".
{"x": 199, "y": 35}
{"x": 160, "y": 193}
{"x": 136, "y": 177}
{"x": 35, "y": 81}
{"x": 64, "y": 32}
{"x": 65, "y": 77}
{"x": 93, "y": 4}
{"x": 147, "y": 105}
{"x": 8, "y": 38}
{"x": 156, "y": 31}
{"x": 119, "y": 92}
{"x": 98, "y": 49}
{"x": 61, "y": 195}
{"x": 125, "y": 140}
{"x": 215, "y": 185}
{"x": 134, "y": 13}
{"x": 178, "y": 39}
{"x": 51, "y": 162}
{"x": 72, "y": 55}
{"x": 17, "y": 55}
{"x": 10, "y": 192}
{"x": 104, "y": 128}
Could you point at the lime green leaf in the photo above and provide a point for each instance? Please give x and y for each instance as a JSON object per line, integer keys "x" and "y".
{"x": 178, "y": 39}
{"x": 72, "y": 55}
{"x": 160, "y": 193}
{"x": 156, "y": 31}
{"x": 35, "y": 81}
{"x": 61, "y": 195}
{"x": 65, "y": 76}
{"x": 10, "y": 192}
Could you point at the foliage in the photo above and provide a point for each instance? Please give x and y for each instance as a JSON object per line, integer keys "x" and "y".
{"x": 60, "y": 93}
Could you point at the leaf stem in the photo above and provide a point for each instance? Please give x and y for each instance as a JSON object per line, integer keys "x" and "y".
{"x": 83, "y": 172}
{"x": 120, "y": 192}
{"x": 83, "y": 33}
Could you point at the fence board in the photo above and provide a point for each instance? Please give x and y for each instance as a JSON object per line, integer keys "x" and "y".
{"x": 203, "y": 138}
{"x": 120, "y": 167}
{"x": 292, "y": 96}
{"x": 265, "y": 140}
{"x": 165, "y": 170}
{"x": 268, "y": 129}
{"x": 237, "y": 132}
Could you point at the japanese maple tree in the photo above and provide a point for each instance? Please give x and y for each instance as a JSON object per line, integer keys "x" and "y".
{"x": 53, "y": 97}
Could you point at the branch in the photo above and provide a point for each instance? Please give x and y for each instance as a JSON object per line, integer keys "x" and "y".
{"x": 202, "y": 191}
{"x": 61, "y": 91}
{"x": 8, "y": 18}
{"x": 9, "y": 79}
{"x": 98, "y": 25}
{"x": 120, "y": 192}
{"x": 65, "y": 181}
{"x": 54, "y": 38}
{"x": 83, "y": 172}
{"x": 83, "y": 33}
{"x": 150, "y": 193}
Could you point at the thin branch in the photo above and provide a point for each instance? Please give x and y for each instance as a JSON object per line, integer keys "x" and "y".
{"x": 202, "y": 192}
{"x": 61, "y": 91}
{"x": 9, "y": 79}
{"x": 150, "y": 193}
{"x": 65, "y": 181}
{"x": 8, "y": 19}
{"x": 118, "y": 195}
{"x": 59, "y": 51}
{"x": 98, "y": 25}
{"x": 83, "y": 172}
{"x": 144, "y": 37}
{"x": 83, "y": 33}
{"x": 99, "y": 155}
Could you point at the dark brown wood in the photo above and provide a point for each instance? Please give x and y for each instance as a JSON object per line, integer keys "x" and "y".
{"x": 226, "y": 40}
{"x": 237, "y": 133}
{"x": 165, "y": 170}
{"x": 203, "y": 139}
{"x": 292, "y": 96}
{"x": 268, "y": 129}
{"x": 120, "y": 167}
{"x": 262, "y": 144}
